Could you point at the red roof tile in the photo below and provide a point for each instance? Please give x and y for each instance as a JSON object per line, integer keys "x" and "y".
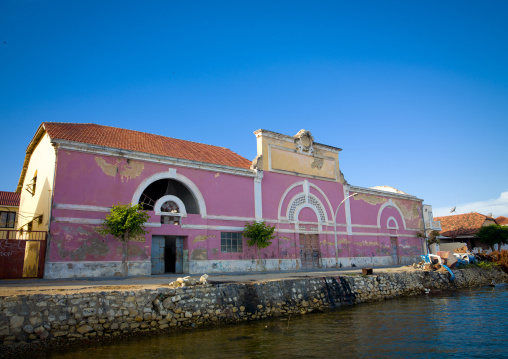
{"x": 9, "y": 199}
{"x": 502, "y": 221}
{"x": 461, "y": 224}
{"x": 144, "y": 142}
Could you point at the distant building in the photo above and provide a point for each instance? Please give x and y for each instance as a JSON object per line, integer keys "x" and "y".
{"x": 9, "y": 208}
{"x": 503, "y": 221}
{"x": 199, "y": 198}
{"x": 463, "y": 227}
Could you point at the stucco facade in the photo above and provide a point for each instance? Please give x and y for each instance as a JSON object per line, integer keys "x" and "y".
{"x": 294, "y": 184}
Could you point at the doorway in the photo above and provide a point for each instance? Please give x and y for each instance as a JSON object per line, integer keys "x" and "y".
{"x": 394, "y": 250}
{"x": 167, "y": 254}
{"x": 309, "y": 250}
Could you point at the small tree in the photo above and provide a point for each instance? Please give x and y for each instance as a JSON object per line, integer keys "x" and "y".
{"x": 125, "y": 222}
{"x": 492, "y": 235}
{"x": 260, "y": 235}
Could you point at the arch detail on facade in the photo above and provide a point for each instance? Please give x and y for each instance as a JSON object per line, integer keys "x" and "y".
{"x": 390, "y": 203}
{"x": 306, "y": 185}
{"x": 172, "y": 174}
{"x": 391, "y": 223}
{"x": 181, "y": 206}
{"x": 301, "y": 201}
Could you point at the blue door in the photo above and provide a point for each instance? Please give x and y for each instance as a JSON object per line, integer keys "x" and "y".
{"x": 158, "y": 254}
{"x": 179, "y": 255}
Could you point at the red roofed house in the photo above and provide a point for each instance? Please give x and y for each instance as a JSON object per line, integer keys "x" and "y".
{"x": 199, "y": 198}
{"x": 463, "y": 227}
{"x": 503, "y": 221}
{"x": 9, "y": 207}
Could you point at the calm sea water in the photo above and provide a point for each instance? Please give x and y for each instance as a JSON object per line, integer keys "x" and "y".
{"x": 464, "y": 324}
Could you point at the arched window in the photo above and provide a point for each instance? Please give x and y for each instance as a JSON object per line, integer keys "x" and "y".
{"x": 170, "y": 207}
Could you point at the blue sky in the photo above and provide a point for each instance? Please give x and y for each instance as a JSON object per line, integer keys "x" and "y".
{"x": 414, "y": 92}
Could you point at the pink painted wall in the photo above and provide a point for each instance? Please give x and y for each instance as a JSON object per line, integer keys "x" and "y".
{"x": 80, "y": 180}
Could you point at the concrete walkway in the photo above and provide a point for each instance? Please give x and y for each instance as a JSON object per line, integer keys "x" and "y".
{"x": 9, "y": 287}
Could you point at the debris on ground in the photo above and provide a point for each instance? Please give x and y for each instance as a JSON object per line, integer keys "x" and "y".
{"x": 189, "y": 282}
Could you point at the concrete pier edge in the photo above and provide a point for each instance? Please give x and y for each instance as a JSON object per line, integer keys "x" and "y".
{"x": 42, "y": 320}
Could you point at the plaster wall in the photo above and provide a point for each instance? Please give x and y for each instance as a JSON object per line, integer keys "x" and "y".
{"x": 88, "y": 184}
{"x": 42, "y": 162}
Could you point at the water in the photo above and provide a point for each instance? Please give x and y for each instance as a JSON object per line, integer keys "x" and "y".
{"x": 464, "y": 324}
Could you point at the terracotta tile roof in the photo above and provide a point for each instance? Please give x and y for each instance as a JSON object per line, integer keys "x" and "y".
{"x": 144, "y": 142}
{"x": 502, "y": 221}
{"x": 461, "y": 224}
{"x": 9, "y": 199}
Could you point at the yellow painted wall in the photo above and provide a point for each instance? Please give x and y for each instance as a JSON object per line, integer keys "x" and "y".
{"x": 42, "y": 161}
{"x": 279, "y": 155}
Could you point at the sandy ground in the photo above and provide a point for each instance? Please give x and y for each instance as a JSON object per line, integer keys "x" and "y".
{"x": 12, "y": 287}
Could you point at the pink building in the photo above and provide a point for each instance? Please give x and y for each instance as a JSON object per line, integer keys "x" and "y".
{"x": 199, "y": 198}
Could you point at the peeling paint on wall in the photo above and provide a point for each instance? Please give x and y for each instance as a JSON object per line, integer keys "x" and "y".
{"x": 317, "y": 163}
{"x": 131, "y": 170}
{"x": 370, "y": 198}
{"x": 199, "y": 254}
{"x": 140, "y": 239}
{"x": 285, "y": 239}
{"x": 411, "y": 213}
{"x": 134, "y": 252}
{"x": 92, "y": 244}
{"x": 366, "y": 243}
{"x": 202, "y": 238}
{"x": 215, "y": 250}
{"x": 217, "y": 175}
{"x": 111, "y": 169}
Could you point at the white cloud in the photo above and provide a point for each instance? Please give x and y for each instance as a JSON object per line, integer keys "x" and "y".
{"x": 498, "y": 207}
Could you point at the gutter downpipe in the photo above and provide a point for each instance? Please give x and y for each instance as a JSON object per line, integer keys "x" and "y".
{"x": 335, "y": 229}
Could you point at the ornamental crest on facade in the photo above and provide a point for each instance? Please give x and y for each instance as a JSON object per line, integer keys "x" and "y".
{"x": 304, "y": 142}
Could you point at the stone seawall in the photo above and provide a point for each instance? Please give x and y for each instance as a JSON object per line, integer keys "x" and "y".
{"x": 71, "y": 317}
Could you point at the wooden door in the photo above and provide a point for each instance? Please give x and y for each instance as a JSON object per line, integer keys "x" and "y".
{"x": 395, "y": 250}
{"x": 179, "y": 255}
{"x": 309, "y": 250}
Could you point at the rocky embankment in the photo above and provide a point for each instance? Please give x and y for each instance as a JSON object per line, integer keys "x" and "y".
{"x": 61, "y": 318}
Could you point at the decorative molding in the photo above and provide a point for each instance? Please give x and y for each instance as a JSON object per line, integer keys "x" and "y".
{"x": 302, "y": 183}
{"x": 79, "y": 207}
{"x": 92, "y": 221}
{"x": 300, "y": 201}
{"x": 291, "y": 139}
{"x": 376, "y": 192}
{"x": 304, "y": 142}
{"x": 347, "y": 209}
{"x": 217, "y": 228}
{"x": 76, "y": 220}
{"x": 365, "y": 226}
{"x": 166, "y": 198}
{"x": 389, "y": 203}
{"x": 271, "y": 169}
{"x": 172, "y": 174}
{"x": 258, "y": 195}
{"x": 388, "y": 223}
